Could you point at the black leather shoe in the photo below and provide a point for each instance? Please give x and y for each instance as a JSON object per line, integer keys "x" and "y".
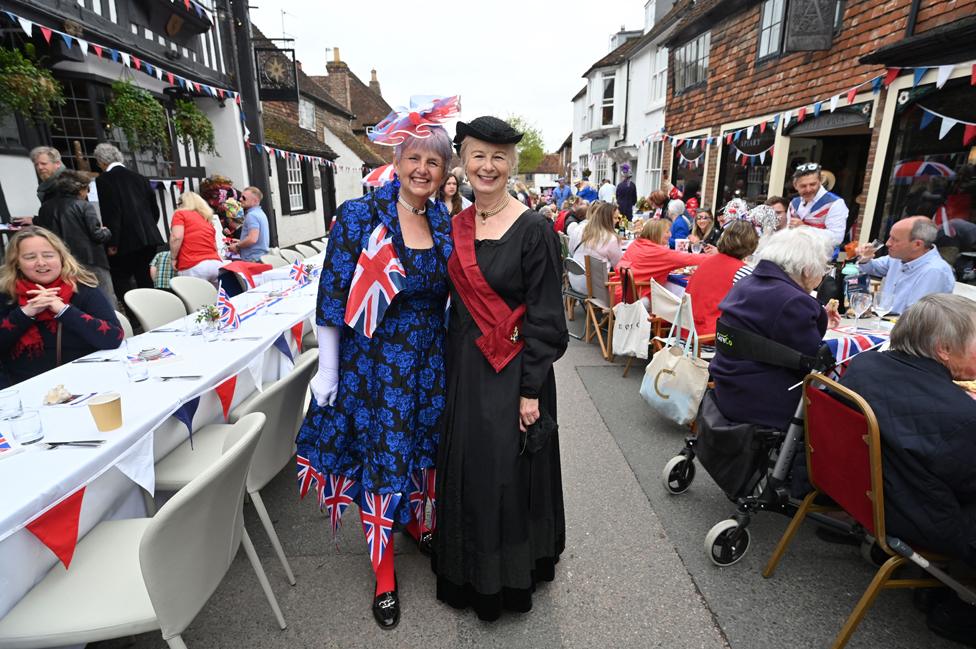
{"x": 386, "y": 610}
{"x": 425, "y": 543}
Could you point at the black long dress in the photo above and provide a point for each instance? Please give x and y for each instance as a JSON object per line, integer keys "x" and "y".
{"x": 500, "y": 520}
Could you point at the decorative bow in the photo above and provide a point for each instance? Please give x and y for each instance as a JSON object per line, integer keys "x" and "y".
{"x": 415, "y": 121}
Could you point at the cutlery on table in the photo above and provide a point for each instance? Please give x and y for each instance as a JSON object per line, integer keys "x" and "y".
{"x": 81, "y": 443}
{"x": 187, "y": 377}
{"x": 244, "y": 338}
{"x": 96, "y": 360}
{"x": 165, "y": 331}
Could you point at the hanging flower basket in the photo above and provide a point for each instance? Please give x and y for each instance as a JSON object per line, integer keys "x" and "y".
{"x": 140, "y": 116}
{"x": 25, "y": 88}
{"x": 193, "y": 126}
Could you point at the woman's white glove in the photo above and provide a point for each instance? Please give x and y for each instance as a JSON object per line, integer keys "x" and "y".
{"x": 325, "y": 383}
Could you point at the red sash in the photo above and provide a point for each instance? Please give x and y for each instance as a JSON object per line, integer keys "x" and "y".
{"x": 500, "y": 326}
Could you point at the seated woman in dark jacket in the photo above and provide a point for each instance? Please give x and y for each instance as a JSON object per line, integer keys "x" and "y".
{"x": 44, "y": 291}
{"x": 68, "y": 214}
{"x": 775, "y": 302}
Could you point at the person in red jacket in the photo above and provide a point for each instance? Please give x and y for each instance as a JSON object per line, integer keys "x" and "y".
{"x": 649, "y": 256}
{"x": 716, "y": 275}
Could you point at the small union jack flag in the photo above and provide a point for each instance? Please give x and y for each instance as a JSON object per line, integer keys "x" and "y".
{"x": 228, "y": 312}
{"x": 339, "y": 492}
{"x": 418, "y": 498}
{"x": 378, "y": 277}
{"x": 307, "y": 476}
{"x": 376, "y": 511}
{"x": 4, "y": 444}
{"x": 849, "y": 345}
{"x": 299, "y": 273}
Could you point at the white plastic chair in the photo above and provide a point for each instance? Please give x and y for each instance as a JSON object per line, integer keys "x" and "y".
{"x": 274, "y": 260}
{"x": 137, "y": 575}
{"x": 282, "y": 403}
{"x": 317, "y": 244}
{"x": 194, "y": 292}
{"x": 305, "y": 250}
{"x": 290, "y": 256}
{"x": 153, "y": 307}
{"x": 965, "y": 290}
{"x": 599, "y": 305}
{"x": 126, "y": 325}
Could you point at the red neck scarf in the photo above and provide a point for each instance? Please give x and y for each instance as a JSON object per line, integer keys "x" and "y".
{"x": 31, "y": 342}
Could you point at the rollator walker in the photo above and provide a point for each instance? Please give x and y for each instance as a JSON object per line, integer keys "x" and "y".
{"x": 750, "y": 463}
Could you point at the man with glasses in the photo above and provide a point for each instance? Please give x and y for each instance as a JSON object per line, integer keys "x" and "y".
{"x": 815, "y": 206}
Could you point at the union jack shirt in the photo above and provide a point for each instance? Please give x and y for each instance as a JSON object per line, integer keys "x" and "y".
{"x": 378, "y": 277}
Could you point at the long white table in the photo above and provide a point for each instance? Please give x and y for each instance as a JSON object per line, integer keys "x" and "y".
{"x": 37, "y": 479}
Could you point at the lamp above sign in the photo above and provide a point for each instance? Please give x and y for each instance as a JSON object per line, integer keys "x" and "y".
{"x": 810, "y": 25}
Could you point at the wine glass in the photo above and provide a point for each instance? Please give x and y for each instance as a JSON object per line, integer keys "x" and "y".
{"x": 884, "y": 302}
{"x": 696, "y": 247}
{"x": 860, "y": 302}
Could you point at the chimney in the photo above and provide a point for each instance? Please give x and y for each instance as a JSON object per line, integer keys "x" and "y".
{"x": 338, "y": 80}
{"x": 374, "y": 83}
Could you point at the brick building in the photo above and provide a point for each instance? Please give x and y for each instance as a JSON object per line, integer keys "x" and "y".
{"x": 742, "y": 110}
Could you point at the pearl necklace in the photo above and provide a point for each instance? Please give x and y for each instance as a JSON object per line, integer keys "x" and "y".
{"x": 410, "y": 207}
{"x": 485, "y": 214}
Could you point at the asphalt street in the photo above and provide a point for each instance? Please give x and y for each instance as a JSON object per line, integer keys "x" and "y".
{"x": 634, "y": 574}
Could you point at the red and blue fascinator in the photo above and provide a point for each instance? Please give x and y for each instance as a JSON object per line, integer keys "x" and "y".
{"x": 424, "y": 112}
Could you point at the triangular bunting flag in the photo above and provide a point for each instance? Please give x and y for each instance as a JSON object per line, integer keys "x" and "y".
{"x": 749, "y": 132}
{"x": 833, "y": 102}
{"x": 851, "y": 94}
{"x": 83, "y": 44}
{"x": 136, "y": 63}
{"x": 969, "y": 134}
{"x": 762, "y": 127}
{"x": 46, "y": 32}
{"x": 775, "y": 121}
{"x": 816, "y": 109}
{"x": 26, "y": 25}
{"x": 57, "y": 528}
{"x": 281, "y": 344}
{"x": 115, "y": 55}
{"x": 927, "y": 118}
{"x": 678, "y": 143}
{"x": 167, "y": 184}
{"x": 149, "y": 68}
{"x": 98, "y": 50}
{"x": 126, "y": 59}
{"x": 943, "y": 75}
{"x": 179, "y": 185}
{"x": 185, "y": 414}
{"x": 890, "y": 76}
{"x": 256, "y": 368}
{"x": 68, "y": 40}
{"x": 919, "y": 73}
{"x": 762, "y": 157}
{"x": 801, "y": 115}
{"x": 737, "y": 135}
{"x": 947, "y": 124}
{"x": 876, "y": 85}
{"x": 138, "y": 463}
{"x": 169, "y": 77}
{"x": 159, "y": 73}
{"x": 186, "y": 3}
{"x": 225, "y": 393}
{"x": 296, "y": 334}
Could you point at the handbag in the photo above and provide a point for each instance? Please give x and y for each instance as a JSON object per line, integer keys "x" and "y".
{"x": 536, "y": 435}
{"x": 631, "y": 323}
{"x": 675, "y": 379}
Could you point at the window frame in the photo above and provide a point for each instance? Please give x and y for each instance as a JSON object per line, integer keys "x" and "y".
{"x": 654, "y": 167}
{"x": 776, "y": 24}
{"x": 306, "y": 112}
{"x": 609, "y": 81}
{"x": 293, "y": 169}
{"x": 692, "y": 57}
{"x": 659, "y": 77}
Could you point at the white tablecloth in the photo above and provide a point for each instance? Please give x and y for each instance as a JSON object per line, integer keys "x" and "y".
{"x": 37, "y": 479}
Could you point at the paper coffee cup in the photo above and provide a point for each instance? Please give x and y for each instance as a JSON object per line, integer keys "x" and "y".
{"x": 106, "y": 410}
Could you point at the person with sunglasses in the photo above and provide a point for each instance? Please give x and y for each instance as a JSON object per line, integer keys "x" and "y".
{"x": 705, "y": 229}
{"x": 815, "y": 206}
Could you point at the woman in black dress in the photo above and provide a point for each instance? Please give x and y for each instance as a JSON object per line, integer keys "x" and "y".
{"x": 501, "y": 526}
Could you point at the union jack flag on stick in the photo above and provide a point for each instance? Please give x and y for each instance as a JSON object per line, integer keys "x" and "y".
{"x": 299, "y": 273}
{"x": 378, "y": 277}
{"x": 228, "y": 312}
{"x": 376, "y": 511}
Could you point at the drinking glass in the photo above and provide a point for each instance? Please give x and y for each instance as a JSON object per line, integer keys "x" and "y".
{"x": 137, "y": 369}
{"x": 697, "y": 247}
{"x": 860, "y": 302}
{"x": 26, "y": 427}
{"x": 10, "y": 403}
{"x": 883, "y": 303}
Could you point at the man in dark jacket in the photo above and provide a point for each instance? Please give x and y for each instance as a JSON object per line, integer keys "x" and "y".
{"x": 68, "y": 214}
{"x": 626, "y": 192}
{"x": 129, "y": 209}
{"x": 928, "y": 431}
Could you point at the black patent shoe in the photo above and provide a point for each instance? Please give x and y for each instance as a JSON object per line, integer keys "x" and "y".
{"x": 425, "y": 543}
{"x": 386, "y": 610}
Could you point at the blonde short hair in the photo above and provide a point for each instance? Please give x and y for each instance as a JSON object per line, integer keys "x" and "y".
{"x": 511, "y": 152}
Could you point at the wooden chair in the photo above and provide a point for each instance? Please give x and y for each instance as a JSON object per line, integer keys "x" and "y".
{"x": 843, "y": 448}
{"x": 599, "y": 305}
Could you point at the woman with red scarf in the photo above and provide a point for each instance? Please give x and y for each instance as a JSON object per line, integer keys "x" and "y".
{"x": 53, "y": 313}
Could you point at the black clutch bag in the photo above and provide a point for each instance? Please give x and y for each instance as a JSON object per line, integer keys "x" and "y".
{"x": 535, "y": 436}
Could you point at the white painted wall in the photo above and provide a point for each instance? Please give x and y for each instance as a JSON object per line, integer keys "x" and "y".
{"x": 348, "y": 174}
{"x": 580, "y": 147}
{"x": 645, "y": 114}
{"x": 296, "y": 228}
{"x": 19, "y": 185}
{"x": 230, "y": 160}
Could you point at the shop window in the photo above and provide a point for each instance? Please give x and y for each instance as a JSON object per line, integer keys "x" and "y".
{"x": 688, "y": 163}
{"x": 607, "y": 103}
{"x": 924, "y": 172}
{"x": 750, "y": 180}
{"x": 771, "y": 28}
{"x": 691, "y": 63}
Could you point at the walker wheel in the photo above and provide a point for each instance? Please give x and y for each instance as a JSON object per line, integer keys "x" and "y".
{"x": 678, "y": 474}
{"x": 726, "y": 542}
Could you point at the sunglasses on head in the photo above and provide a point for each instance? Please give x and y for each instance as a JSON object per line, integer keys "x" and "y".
{"x": 808, "y": 166}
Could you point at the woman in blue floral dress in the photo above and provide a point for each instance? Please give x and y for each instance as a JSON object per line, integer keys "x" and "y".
{"x": 370, "y": 436}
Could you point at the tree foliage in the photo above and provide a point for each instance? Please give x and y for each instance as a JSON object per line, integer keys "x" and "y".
{"x": 531, "y": 149}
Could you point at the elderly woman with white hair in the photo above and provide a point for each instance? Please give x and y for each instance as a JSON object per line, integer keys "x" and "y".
{"x": 501, "y": 524}
{"x": 927, "y": 442}
{"x": 680, "y": 221}
{"x": 774, "y": 302}
{"x": 370, "y": 436}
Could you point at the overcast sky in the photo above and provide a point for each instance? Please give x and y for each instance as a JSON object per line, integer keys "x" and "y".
{"x": 503, "y": 57}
